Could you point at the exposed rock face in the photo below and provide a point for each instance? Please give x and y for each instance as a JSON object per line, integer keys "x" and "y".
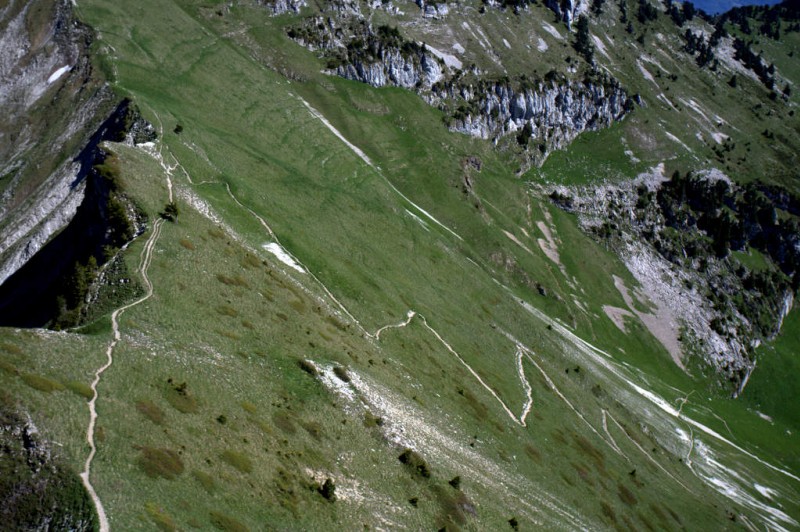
{"x": 667, "y": 231}
{"x": 51, "y": 100}
{"x": 279, "y": 7}
{"x": 411, "y": 71}
{"x": 551, "y": 112}
{"x": 568, "y": 10}
{"x": 28, "y": 297}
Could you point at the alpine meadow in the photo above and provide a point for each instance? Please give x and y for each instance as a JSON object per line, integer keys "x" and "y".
{"x": 395, "y": 265}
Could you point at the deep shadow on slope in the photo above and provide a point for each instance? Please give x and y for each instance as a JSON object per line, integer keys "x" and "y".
{"x": 29, "y": 298}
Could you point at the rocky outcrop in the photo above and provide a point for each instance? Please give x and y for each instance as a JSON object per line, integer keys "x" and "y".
{"x": 37, "y": 490}
{"x": 543, "y": 114}
{"x": 551, "y": 113}
{"x": 675, "y": 236}
{"x": 568, "y": 10}
{"x": 280, "y": 7}
{"x": 412, "y": 70}
{"x": 51, "y": 102}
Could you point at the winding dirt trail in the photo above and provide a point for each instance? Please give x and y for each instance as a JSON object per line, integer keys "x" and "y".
{"x": 525, "y": 384}
{"x": 146, "y": 258}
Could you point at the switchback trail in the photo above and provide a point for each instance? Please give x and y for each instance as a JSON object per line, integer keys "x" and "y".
{"x": 144, "y": 264}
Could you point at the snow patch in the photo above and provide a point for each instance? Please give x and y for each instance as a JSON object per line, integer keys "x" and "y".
{"x": 663, "y": 98}
{"x": 764, "y": 416}
{"x": 458, "y": 48}
{"x": 505, "y": 42}
{"x": 646, "y": 74}
{"x": 769, "y": 493}
{"x": 58, "y": 73}
{"x": 419, "y": 220}
{"x": 673, "y": 138}
{"x": 282, "y": 255}
{"x": 449, "y": 60}
{"x": 542, "y": 45}
{"x": 718, "y": 137}
{"x": 600, "y": 45}
{"x": 552, "y": 31}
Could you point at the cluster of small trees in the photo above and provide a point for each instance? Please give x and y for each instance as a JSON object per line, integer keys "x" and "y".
{"x": 753, "y": 61}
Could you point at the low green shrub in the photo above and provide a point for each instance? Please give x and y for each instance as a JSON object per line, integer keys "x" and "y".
{"x": 415, "y": 462}
{"x": 160, "y": 462}
{"x": 237, "y": 460}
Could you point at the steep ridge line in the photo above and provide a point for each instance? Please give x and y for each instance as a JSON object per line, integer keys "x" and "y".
{"x": 145, "y": 260}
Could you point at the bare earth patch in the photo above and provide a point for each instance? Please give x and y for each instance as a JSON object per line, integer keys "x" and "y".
{"x": 661, "y": 323}
{"x": 617, "y": 315}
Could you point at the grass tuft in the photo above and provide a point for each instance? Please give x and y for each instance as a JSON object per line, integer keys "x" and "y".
{"x": 226, "y": 523}
{"x": 151, "y": 411}
{"x": 160, "y": 462}
{"x": 161, "y": 519}
{"x": 239, "y": 461}
{"x": 80, "y": 388}
{"x": 43, "y": 384}
{"x": 205, "y": 480}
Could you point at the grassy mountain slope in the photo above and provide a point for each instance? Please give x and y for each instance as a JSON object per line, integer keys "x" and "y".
{"x": 244, "y": 383}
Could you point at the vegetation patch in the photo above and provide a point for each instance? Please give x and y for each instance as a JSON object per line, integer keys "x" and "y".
{"x": 590, "y": 451}
{"x": 160, "y": 462}
{"x": 249, "y": 407}
{"x": 11, "y": 348}
{"x": 80, "y": 388}
{"x": 237, "y": 460}
{"x": 160, "y": 517}
{"x": 414, "y": 461}
{"x": 8, "y": 367}
{"x": 205, "y": 480}
{"x": 227, "y": 310}
{"x": 479, "y": 410}
{"x": 236, "y": 280}
{"x": 43, "y": 384}
{"x": 533, "y": 453}
{"x": 625, "y": 495}
{"x": 328, "y": 490}
{"x": 308, "y": 367}
{"x": 341, "y": 373}
{"x": 151, "y": 411}
{"x": 226, "y": 523}
{"x": 285, "y": 422}
{"x": 179, "y": 397}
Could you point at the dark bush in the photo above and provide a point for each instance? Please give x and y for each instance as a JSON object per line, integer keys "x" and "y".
{"x": 413, "y": 460}
{"x": 341, "y": 373}
{"x": 308, "y": 367}
{"x": 328, "y": 490}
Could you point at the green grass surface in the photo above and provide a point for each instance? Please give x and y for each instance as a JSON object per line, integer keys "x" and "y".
{"x": 208, "y": 415}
